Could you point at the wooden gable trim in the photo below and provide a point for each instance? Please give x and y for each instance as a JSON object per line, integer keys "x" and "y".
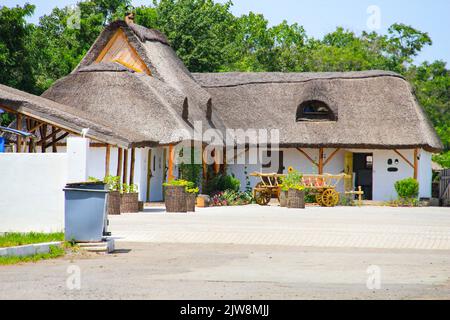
{"x": 135, "y": 62}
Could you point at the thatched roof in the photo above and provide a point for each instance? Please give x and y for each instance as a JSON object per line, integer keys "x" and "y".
{"x": 154, "y": 106}
{"x": 375, "y": 109}
{"x": 65, "y": 117}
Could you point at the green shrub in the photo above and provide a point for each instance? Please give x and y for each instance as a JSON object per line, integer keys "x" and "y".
{"x": 292, "y": 181}
{"x": 189, "y": 186}
{"x": 222, "y": 183}
{"x": 113, "y": 183}
{"x": 310, "y": 197}
{"x": 407, "y": 188}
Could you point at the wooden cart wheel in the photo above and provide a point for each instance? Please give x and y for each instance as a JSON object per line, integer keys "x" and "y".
{"x": 319, "y": 198}
{"x": 330, "y": 198}
{"x": 262, "y": 196}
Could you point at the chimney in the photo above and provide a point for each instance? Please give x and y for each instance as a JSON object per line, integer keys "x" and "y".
{"x": 129, "y": 18}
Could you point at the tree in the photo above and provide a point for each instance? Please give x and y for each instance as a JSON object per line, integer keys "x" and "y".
{"x": 15, "y": 58}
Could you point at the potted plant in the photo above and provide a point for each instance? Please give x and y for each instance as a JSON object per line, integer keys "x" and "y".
{"x": 113, "y": 184}
{"x": 175, "y": 196}
{"x": 191, "y": 196}
{"x": 129, "y": 199}
{"x": 296, "y": 191}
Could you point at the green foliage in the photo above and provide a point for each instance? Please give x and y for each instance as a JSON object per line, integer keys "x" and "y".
{"x": 129, "y": 188}
{"x": 407, "y": 188}
{"x": 292, "y": 181}
{"x": 191, "y": 171}
{"x": 12, "y": 239}
{"x": 189, "y": 186}
{"x": 55, "y": 252}
{"x": 222, "y": 182}
{"x": 310, "y": 197}
{"x": 113, "y": 183}
{"x": 443, "y": 159}
{"x": 347, "y": 201}
{"x": 231, "y": 198}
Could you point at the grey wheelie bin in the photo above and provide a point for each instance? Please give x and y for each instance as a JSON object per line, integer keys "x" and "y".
{"x": 85, "y": 211}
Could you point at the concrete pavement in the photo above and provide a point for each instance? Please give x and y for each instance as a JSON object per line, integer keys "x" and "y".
{"x": 341, "y": 227}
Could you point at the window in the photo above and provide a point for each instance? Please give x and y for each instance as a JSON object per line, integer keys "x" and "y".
{"x": 314, "y": 111}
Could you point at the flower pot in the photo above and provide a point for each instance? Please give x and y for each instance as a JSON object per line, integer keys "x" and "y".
{"x": 283, "y": 198}
{"x": 203, "y": 201}
{"x": 175, "y": 199}
{"x": 114, "y": 203}
{"x": 190, "y": 201}
{"x": 296, "y": 199}
{"x": 129, "y": 203}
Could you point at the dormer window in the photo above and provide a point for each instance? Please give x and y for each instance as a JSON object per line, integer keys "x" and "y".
{"x": 314, "y": 110}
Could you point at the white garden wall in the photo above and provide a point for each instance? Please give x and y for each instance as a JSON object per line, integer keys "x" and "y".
{"x": 31, "y": 192}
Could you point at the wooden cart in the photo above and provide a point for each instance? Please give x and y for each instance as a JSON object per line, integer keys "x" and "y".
{"x": 267, "y": 188}
{"x": 323, "y": 186}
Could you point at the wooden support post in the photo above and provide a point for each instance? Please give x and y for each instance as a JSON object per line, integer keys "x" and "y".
{"x": 320, "y": 166}
{"x": 204, "y": 168}
{"x": 119, "y": 162}
{"x": 107, "y": 159}
{"x": 133, "y": 159}
{"x": 404, "y": 158}
{"x": 19, "y": 127}
{"x": 125, "y": 166}
{"x": 331, "y": 156}
{"x": 416, "y": 163}
{"x": 217, "y": 161}
{"x": 171, "y": 160}
{"x": 54, "y": 147}
{"x": 43, "y": 132}
{"x": 224, "y": 165}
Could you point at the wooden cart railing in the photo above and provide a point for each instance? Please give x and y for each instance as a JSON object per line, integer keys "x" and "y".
{"x": 323, "y": 186}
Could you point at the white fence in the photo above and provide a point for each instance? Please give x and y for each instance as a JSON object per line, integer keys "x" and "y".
{"x": 31, "y": 187}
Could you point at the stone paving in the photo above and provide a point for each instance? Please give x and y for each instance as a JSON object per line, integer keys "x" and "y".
{"x": 341, "y": 227}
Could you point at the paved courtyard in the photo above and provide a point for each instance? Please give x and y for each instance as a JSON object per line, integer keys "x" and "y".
{"x": 341, "y": 227}
{"x": 255, "y": 253}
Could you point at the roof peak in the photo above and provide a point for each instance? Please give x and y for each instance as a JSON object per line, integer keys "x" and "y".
{"x": 143, "y": 33}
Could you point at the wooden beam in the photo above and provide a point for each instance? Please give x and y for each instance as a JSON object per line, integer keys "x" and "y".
{"x": 416, "y": 163}
{"x": 204, "y": 168}
{"x": 119, "y": 162}
{"x": 308, "y": 157}
{"x": 51, "y": 135}
{"x": 216, "y": 161}
{"x": 404, "y": 158}
{"x": 331, "y": 156}
{"x": 171, "y": 162}
{"x": 61, "y": 137}
{"x": 320, "y": 167}
{"x": 133, "y": 159}
{"x": 18, "y": 137}
{"x": 224, "y": 165}
{"x": 125, "y": 166}
{"x": 54, "y": 147}
{"x": 107, "y": 159}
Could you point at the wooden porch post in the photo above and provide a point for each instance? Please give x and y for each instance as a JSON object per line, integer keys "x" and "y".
{"x": 107, "y": 159}
{"x": 320, "y": 161}
{"x": 133, "y": 159}
{"x": 149, "y": 174}
{"x": 125, "y": 166}
{"x": 54, "y": 147}
{"x": 216, "y": 161}
{"x": 19, "y": 127}
{"x": 171, "y": 159}
{"x": 224, "y": 165}
{"x": 204, "y": 168}
{"x": 416, "y": 163}
{"x": 119, "y": 162}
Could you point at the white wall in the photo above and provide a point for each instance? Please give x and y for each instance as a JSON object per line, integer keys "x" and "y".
{"x": 31, "y": 192}
{"x": 384, "y": 181}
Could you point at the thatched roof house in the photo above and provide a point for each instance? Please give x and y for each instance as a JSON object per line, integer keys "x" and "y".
{"x": 373, "y": 109}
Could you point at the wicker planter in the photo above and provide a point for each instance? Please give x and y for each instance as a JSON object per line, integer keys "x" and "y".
{"x": 129, "y": 203}
{"x": 114, "y": 203}
{"x": 190, "y": 201}
{"x": 283, "y": 198}
{"x": 175, "y": 199}
{"x": 296, "y": 199}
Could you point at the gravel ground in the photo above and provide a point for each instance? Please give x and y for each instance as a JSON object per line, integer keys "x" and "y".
{"x": 218, "y": 271}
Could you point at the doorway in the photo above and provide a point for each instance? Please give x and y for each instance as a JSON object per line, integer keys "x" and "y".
{"x": 363, "y": 169}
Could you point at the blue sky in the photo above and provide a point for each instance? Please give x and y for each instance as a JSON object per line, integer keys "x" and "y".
{"x": 322, "y": 16}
